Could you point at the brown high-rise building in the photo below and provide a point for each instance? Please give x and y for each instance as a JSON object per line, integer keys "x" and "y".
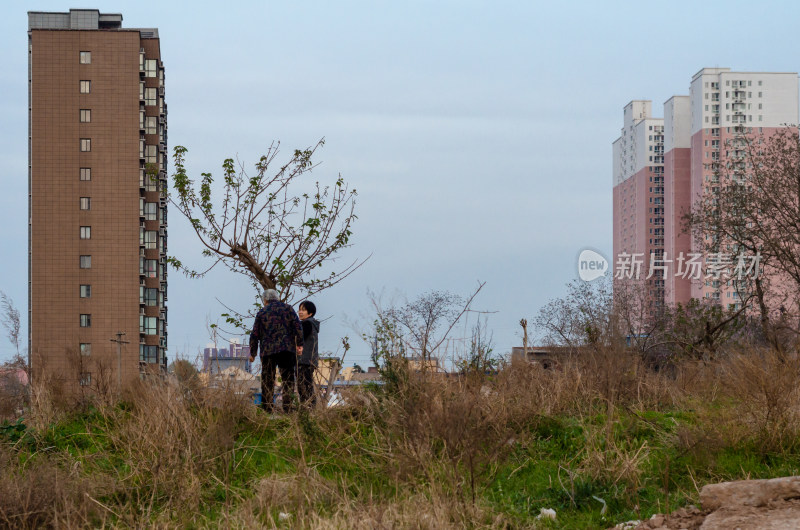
{"x": 97, "y": 220}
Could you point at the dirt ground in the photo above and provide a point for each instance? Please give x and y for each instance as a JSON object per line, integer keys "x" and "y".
{"x": 748, "y": 504}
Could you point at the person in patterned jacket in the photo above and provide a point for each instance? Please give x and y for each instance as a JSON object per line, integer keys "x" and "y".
{"x": 279, "y": 338}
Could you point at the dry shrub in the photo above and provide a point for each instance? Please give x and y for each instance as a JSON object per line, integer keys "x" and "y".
{"x": 173, "y": 444}
{"x": 305, "y": 500}
{"x": 44, "y": 408}
{"x": 751, "y": 397}
{"x": 597, "y": 380}
{"x": 610, "y": 459}
{"x": 43, "y": 494}
{"x": 767, "y": 397}
{"x": 300, "y": 494}
{"x": 13, "y": 396}
{"x": 455, "y": 428}
{"x": 533, "y": 390}
{"x": 424, "y": 512}
{"x": 698, "y": 379}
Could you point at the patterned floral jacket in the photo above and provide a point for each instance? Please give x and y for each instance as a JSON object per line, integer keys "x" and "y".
{"x": 276, "y": 329}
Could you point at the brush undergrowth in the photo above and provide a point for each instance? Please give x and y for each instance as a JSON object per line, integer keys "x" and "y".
{"x": 601, "y": 440}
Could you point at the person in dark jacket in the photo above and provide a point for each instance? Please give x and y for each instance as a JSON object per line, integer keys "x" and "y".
{"x": 278, "y": 335}
{"x": 307, "y": 362}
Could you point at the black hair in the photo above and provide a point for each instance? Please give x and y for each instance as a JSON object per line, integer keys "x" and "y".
{"x": 309, "y": 307}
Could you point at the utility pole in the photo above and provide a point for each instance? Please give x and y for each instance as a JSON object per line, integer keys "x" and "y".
{"x": 119, "y": 342}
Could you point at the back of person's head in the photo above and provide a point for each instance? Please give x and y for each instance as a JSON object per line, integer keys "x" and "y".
{"x": 309, "y": 306}
{"x": 270, "y": 295}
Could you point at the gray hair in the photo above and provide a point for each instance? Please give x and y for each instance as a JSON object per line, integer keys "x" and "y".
{"x": 270, "y": 295}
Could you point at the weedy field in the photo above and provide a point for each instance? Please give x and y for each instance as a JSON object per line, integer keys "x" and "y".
{"x": 600, "y": 439}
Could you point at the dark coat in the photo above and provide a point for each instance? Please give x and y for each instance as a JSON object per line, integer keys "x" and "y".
{"x": 310, "y": 342}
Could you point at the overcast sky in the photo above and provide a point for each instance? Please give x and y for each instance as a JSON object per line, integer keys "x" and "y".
{"x": 478, "y": 134}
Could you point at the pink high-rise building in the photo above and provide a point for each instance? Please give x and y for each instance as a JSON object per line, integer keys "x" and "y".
{"x": 638, "y": 181}
{"x": 652, "y": 194}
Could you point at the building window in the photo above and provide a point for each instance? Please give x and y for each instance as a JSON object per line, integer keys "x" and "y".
{"x": 86, "y": 173}
{"x": 86, "y": 145}
{"x": 86, "y": 291}
{"x": 148, "y": 267}
{"x": 86, "y": 348}
{"x": 148, "y": 296}
{"x": 86, "y": 232}
{"x": 147, "y": 181}
{"x": 86, "y": 321}
{"x": 86, "y": 378}
{"x": 86, "y": 203}
{"x": 151, "y": 154}
{"x": 148, "y": 325}
{"x": 148, "y": 354}
{"x": 151, "y": 211}
{"x": 85, "y": 87}
{"x": 150, "y": 96}
{"x": 151, "y": 125}
{"x": 86, "y": 262}
{"x": 86, "y": 115}
{"x": 86, "y": 57}
{"x": 151, "y": 68}
{"x": 150, "y": 239}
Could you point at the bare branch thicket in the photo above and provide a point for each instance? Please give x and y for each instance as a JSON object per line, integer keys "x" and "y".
{"x": 752, "y": 207}
{"x": 591, "y": 316}
{"x": 427, "y": 321}
{"x": 416, "y": 330}
{"x": 584, "y": 316}
{"x": 700, "y": 329}
{"x": 479, "y": 356}
{"x": 264, "y": 228}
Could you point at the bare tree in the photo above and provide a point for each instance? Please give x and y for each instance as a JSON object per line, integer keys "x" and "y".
{"x": 9, "y": 316}
{"x": 427, "y": 321}
{"x": 480, "y": 356}
{"x": 263, "y": 227}
{"x": 701, "y": 328}
{"x": 752, "y": 207}
{"x": 585, "y": 316}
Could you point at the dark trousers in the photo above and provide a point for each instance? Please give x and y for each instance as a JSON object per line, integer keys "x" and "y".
{"x": 305, "y": 384}
{"x": 286, "y": 362}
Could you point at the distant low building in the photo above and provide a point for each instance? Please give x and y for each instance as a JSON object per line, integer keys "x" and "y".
{"x": 325, "y": 367}
{"x": 546, "y": 356}
{"x": 418, "y": 364}
{"x": 236, "y": 379}
{"x": 365, "y": 377}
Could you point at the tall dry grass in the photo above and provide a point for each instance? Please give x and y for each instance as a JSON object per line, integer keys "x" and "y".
{"x": 441, "y": 440}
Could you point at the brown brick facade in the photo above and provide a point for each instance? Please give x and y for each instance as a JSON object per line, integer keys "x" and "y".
{"x": 114, "y": 191}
